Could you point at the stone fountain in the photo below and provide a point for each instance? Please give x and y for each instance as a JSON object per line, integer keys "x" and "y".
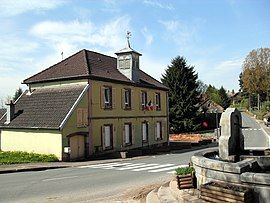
{"x": 231, "y": 163}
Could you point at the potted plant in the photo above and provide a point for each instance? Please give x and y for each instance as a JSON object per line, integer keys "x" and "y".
{"x": 185, "y": 177}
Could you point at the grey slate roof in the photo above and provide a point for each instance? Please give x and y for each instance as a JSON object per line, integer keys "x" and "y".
{"x": 44, "y": 108}
{"x": 93, "y": 65}
{"x": 2, "y": 112}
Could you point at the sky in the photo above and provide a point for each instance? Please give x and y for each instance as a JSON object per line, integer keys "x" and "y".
{"x": 214, "y": 36}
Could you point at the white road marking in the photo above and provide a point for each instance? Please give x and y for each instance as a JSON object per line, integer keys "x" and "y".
{"x": 172, "y": 172}
{"x": 133, "y": 166}
{"x": 60, "y": 178}
{"x": 167, "y": 169}
{"x": 152, "y": 167}
{"x": 104, "y": 165}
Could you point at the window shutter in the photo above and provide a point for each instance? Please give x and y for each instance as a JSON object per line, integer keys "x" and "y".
{"x": 163, "y": 130}
{"x": 132, "y": 134}
{"x": 140, "y": 100}
{"x": 85, "y": 117}
{"x": 102, "y": 102}
{"x": 155, "y": 131}
{"x": 154, "y": 100}
{"x": 124, "y": 136}
{"x": 103, "y": 137}
{"x": 113, "y": 98}
{"x": 123, "y": 99}
{"x": 132, "y": 101}
{"x": 79, "y": 117}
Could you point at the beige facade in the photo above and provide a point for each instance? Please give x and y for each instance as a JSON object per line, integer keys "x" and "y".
{"x": 117, "y": 116}
{"x": 32, "y": 140}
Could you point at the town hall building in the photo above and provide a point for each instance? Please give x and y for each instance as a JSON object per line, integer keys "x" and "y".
{"x": 88, "y": 104}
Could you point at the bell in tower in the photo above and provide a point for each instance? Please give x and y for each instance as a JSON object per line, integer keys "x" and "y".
{"x": 128, "y": 61}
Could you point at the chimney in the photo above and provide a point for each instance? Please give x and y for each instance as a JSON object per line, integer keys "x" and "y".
{"x": 10, "y": 112}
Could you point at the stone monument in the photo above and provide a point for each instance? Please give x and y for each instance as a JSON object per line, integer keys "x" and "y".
{"x": 231, "y": 141}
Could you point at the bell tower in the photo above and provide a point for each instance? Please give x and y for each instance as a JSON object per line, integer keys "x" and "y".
{"x": 128, "y": 60}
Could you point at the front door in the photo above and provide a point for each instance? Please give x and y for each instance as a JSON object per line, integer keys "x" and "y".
{"x": 77, "y": 147}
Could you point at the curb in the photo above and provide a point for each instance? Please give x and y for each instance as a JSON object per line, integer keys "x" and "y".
{"x": 43, "y": 168}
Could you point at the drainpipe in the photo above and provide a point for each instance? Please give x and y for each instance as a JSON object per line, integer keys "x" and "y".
{"x": 10, "y": 112}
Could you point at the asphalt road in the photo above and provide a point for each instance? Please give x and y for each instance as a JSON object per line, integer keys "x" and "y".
{"x": 99, "y": 183}
{"x": 254, "y": 136}
{"x": 89, "y": 183}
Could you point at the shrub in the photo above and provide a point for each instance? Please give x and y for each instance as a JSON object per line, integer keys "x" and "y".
{"x": 16, "y": 157}
{"x": 184, "y": 170}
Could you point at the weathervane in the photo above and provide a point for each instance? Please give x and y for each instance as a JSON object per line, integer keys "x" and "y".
{"x": 128, "y": 36}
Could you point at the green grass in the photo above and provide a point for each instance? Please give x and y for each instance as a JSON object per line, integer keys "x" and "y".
{"x": 17, "y": 157}
{"x": 184, "y": 171}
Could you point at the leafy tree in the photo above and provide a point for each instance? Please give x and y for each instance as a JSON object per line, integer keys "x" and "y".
{"x": 181, "y": 80}
{"x": 17, "y": 94}
{"x": 219, "y": 96}
{"x": 224, "y": 99}
{"x": 201, "y": 87}
{"x": 256, "y": 73}
{"x": 213, "y": 94}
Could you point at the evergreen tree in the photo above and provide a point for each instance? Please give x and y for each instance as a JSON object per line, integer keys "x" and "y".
{"x": 181, "y": 80}
{"x": 17, "y": 94}
{"x": 224, "y": 99}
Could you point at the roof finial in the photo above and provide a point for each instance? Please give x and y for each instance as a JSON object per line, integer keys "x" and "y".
{"x": 128, "y": 36}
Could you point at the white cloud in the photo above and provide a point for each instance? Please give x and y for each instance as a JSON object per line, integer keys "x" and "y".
{"x": 70, "y": 36}
{"x": 158, "y": 4}
{"x": 185, "y": 35}
{"x": 16, "y": 7}
{"x": 148, "y": 36}
{"x": 229, "y": 65}
{"x": 220, "y": 73}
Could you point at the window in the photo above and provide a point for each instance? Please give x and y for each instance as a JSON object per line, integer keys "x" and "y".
{"x": 127, "y": 64}
{"x": 158, "y": 107}
{"x": 145, "y": 131}
{"x": 108, "y": 137}
{"x": 158, "y": 131}
{"x": 82, "y": 117}
{"x": 143, "y": 100}
{"x": 127, "y": 98}
{"x": 128, "y": 134}
{"x": 108, "y": 97}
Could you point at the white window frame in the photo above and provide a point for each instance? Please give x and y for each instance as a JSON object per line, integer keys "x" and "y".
{"x": 127, "y": 97}
{"x": 145, "y": 131}
{"x": 108, "y": 97}
{"x": 108, "y": 136}
{"x": 128, "y": 134}
{"x": 158, "y": 101}
{"x": 158, "y": 130}
{"x": 143, "y": 99}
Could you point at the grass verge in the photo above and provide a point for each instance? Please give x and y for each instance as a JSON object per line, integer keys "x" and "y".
{"x": 18, "y": 157}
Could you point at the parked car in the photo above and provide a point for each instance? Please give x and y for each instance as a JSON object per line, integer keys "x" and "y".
{"x": 266, "y": 121}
